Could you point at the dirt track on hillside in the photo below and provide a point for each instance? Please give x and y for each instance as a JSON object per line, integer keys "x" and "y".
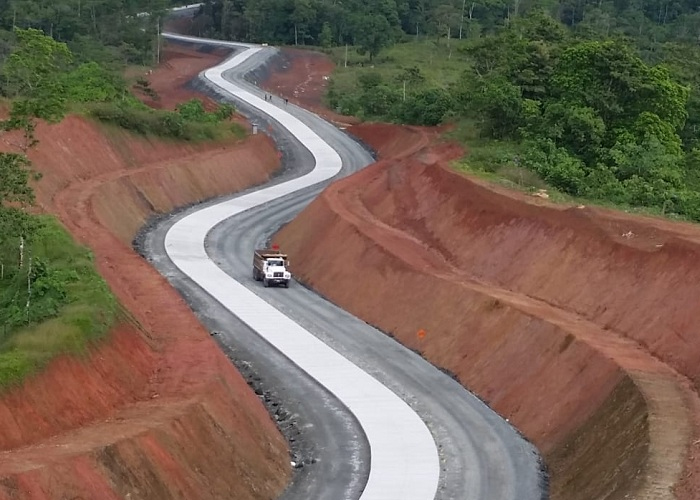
{"x": 156, "y": 411}
{"x": 179, "y": 64}
{"x": 301, "y": 76}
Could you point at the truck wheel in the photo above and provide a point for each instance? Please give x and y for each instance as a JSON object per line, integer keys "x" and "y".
{"x": 255, "y": 274}
{"x": 265, "y": 283}
{"x": 286, "y": 284}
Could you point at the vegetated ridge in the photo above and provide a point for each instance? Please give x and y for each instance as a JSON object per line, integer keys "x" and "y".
{"x": 595, "y": 100}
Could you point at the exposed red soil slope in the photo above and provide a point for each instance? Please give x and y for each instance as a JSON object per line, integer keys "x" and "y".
{"x": 535, "y": 308}
{"x": 179, "y": 64}
{"x": 302, "y": 76}
{"x": 157, "y": 410}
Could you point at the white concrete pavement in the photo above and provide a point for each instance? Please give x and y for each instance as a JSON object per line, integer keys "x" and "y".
{"x": 404, "y": 459}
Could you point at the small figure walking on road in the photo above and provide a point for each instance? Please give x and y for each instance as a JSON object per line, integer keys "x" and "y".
{"x": 286, "y": 101}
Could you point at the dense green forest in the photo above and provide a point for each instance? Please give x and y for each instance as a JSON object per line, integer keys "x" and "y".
{"x": 105, "y": 31}
{"x": 372, "y": 23}
{"x": 598, "y": 98}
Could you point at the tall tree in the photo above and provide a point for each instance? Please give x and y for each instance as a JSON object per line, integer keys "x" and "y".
{"x": 372, "y": 33}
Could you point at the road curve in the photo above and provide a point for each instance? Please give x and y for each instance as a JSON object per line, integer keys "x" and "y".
{"x": 482, "y": 456}
{"x": 404, "y": 458}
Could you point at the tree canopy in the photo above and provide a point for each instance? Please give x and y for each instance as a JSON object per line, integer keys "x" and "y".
{"x": 602, "y": 96}
{"x": 106, "y": 31}
{"x": 304, "y": 21}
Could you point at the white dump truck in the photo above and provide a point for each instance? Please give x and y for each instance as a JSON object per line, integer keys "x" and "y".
{"x": 271, "y": 267}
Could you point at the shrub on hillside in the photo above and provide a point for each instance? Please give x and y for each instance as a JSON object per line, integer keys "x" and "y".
{"x": 426, "y": 107}
{"x": 90, "y": 82}
{"x": 190, "y": 122}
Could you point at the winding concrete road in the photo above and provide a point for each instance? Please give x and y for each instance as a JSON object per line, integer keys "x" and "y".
{"x": 373, "y": 420}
